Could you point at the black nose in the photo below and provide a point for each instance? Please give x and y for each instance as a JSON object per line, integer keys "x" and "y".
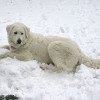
{"x": 19, "y": 41}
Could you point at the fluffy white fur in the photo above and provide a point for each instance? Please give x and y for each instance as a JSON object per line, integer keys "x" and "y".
{"x": 56, "y": 53}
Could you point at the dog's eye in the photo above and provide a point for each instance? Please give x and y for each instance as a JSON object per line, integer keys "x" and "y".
{"x": 21, "y": 33}
{"x": 15, "y": 32}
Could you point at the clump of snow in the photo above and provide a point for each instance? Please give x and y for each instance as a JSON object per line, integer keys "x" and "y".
{"x": 77, "y": 19}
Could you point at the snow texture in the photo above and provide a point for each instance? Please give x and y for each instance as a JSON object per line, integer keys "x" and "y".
{"x": 77, "y": 19}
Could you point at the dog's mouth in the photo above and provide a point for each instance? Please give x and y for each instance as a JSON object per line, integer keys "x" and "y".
{"x": 17, "y": 44}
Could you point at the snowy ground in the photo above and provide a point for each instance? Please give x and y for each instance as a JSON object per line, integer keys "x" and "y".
{"x": 77, "y": 19}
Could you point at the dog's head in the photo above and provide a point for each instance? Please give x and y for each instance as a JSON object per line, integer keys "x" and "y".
{"x": 18, "y": 34}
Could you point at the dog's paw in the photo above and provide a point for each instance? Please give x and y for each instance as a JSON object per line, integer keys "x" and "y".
{"x": 1, "y": 57}
{"x": 43, "y": 66}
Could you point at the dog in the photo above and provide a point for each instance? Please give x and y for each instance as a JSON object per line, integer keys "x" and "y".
{"x": 55, "y": 53}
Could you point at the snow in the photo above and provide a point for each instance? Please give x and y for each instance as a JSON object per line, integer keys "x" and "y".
{"x": 77, "y": 19}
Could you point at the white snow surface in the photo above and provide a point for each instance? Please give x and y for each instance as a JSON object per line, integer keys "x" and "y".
{"x": 77, "y": 19}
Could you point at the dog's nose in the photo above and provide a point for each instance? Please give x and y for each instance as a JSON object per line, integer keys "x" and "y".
{"x": 19, "y": 41}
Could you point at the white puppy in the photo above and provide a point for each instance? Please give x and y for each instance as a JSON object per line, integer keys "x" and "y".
{"x": 57, "y": 53}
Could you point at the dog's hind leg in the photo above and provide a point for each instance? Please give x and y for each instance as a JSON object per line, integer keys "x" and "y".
{"x": 62, "y": 56}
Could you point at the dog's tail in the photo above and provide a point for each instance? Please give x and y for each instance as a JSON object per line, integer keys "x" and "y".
{"x": 93, "y": 63}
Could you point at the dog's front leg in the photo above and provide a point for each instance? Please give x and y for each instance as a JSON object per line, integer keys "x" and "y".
{"x": 7, "y": 54}
{"x": 6, "y": 47}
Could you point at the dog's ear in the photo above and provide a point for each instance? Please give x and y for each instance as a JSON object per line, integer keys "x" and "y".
{"x": 27, "y": 31}
{"x": 9, "y": 28}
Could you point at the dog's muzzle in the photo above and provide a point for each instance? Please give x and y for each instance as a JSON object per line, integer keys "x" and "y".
{"x": 19, "y": 41}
